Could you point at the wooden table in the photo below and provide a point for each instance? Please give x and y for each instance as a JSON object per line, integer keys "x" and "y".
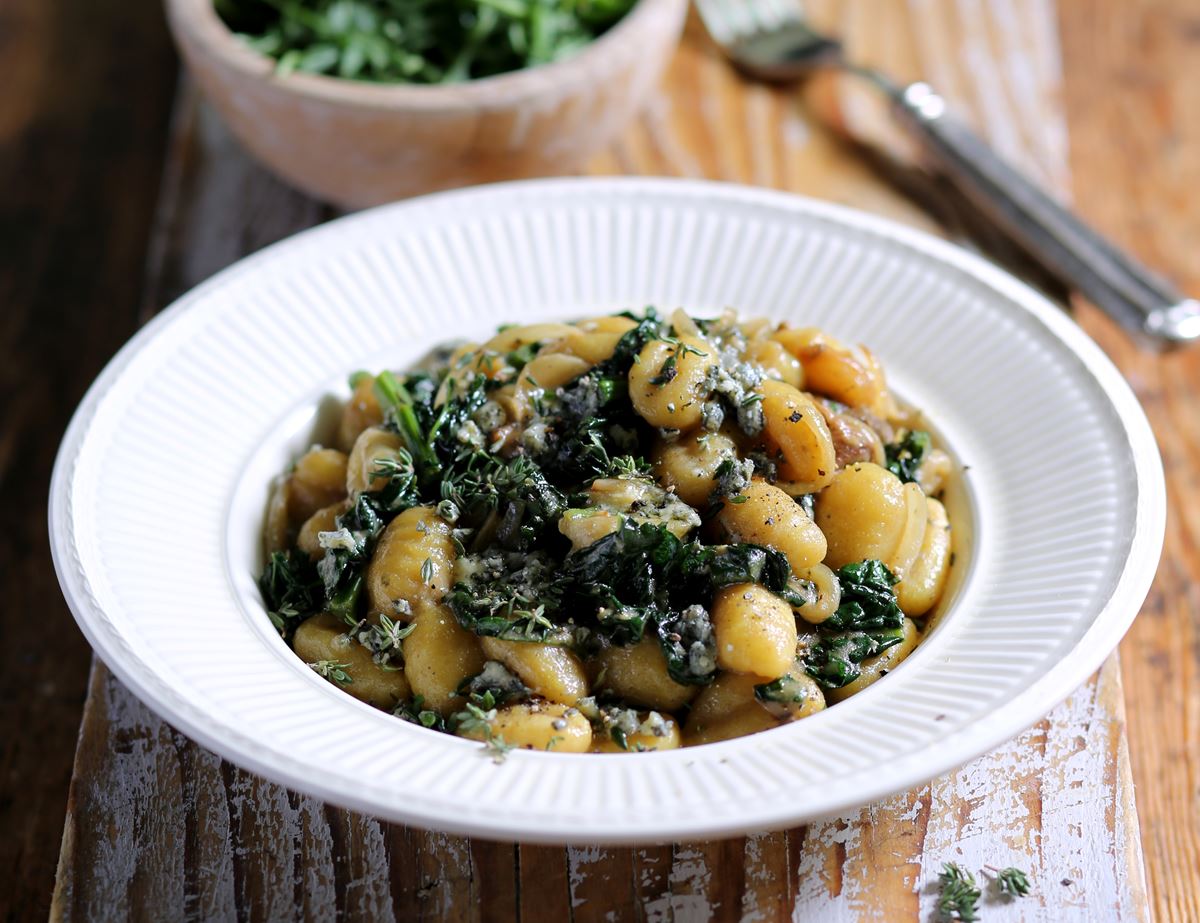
{"x": 112, "y": 210}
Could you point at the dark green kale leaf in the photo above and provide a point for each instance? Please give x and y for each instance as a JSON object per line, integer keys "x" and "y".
{"x": 640, "y": 574}
{"x": 649, "y": 327}
{"x": 341, "y": 571}
{"x": 348, "y": 550}
{"x": 624, "y": 578}
{"x": 366, "y": 515}
{"x": 787, "y": 691}
{"x": 834, "y": 660}
{"x": 295, "y": 587}
{"x": 343, "y": 600}
{"x": 291, "y": 590}
{"x": 407, "y": 415}
{"x": 867, "y": 622}
{"x": 446, "y": 422}
{"x": 868, "y": 600}
{"x": 689, "y": 645}
{"x": 429, "y": 430}
{"x": 723, "y": 565}
{"x": 904, "y": 457}
{"x": 593, "y": 421}
{"x": 533, "y": 506}
{"x": 522, "y": 355}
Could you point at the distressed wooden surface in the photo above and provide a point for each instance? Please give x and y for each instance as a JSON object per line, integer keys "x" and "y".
{"x": 161, "y": 828}
{"x": 79, "y": 171}
{"x": 158, "y": 827}
{"x": 1133, "y": 92}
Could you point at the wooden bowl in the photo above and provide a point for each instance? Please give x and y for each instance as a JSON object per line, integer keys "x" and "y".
{"x": 359, "y": 144}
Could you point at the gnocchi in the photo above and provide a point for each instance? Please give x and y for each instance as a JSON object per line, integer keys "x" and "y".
{"x": 666, "y": 382}
{"x": 762, "y": 514}
{"x": 621, "y": 534}
{"x": 326, "y": 644}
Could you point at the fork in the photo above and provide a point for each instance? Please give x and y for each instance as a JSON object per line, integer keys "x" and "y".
{"x": 771, "y": 40}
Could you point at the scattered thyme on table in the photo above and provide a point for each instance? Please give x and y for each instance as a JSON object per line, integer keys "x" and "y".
{"x": 959, "y": 895}
{"x": 1009, "y": 882}
{"x": 418, "y": 41}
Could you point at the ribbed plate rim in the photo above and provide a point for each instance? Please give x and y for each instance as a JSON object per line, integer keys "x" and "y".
{"x": 1075, "y": 666}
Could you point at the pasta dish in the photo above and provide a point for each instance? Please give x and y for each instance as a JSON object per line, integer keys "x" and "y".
{"x": 627, "y": 533}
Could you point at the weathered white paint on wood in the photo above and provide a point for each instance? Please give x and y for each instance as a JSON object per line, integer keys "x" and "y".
{"x": 157, "y": 822}
{"x": 160, "y": 828}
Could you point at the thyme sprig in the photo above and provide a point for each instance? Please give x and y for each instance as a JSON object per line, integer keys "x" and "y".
{"x": 476, "y": 718}
{"x": 333, "y": 671}
{"x": 1009, "y": 882}
{"x": 959, "y": 897}
{"x": 386, "y": 640}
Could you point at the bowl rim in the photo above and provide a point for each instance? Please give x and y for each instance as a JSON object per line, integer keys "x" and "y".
{"x": 197, "y": 21}
{"x": 1077, "y": 663}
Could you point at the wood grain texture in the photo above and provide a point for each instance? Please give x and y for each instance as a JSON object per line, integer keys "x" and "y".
{"x": 159, "y": 828}
{"x": 73, "y": 233}
{"x": 1133, "y": 94}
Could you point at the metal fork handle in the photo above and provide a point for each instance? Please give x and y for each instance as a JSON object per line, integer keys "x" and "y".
{"x": 1058, "y": 240}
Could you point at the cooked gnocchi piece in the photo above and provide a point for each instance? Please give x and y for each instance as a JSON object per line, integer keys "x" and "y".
{"x": 762, "y": 514}
{"x": 328, "y": 645}
{"x": 666, "y": 382}
{"x": 755, "y": 631}
{"x": 621, "y": 534}
{"x": 532, "y": 726}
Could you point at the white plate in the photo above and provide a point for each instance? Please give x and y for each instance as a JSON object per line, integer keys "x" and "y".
{"x": 160, "y": 486}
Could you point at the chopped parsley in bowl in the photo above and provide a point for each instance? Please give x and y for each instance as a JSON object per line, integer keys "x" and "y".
{"x": 418, "y": 41}
{"x": 362, "y": 102}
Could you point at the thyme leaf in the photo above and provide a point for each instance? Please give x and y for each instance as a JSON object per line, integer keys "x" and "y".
{"x": 1010, "y": 882}
{"x": 959, "y": 895}
{"x": 333, "y": 671}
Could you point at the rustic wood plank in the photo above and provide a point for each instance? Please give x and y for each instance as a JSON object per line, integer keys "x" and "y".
{"x": 79, "y": 167}
{"x": 1132, "y": 92}
{"x": 652, "y": 883}
{"x": 1057, "y": 799}
{"x": 494, "y": 887}
{"x": 1051, "y": 801}
{"x": 543, "y": 889}
{"x": 599, "y": 878}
